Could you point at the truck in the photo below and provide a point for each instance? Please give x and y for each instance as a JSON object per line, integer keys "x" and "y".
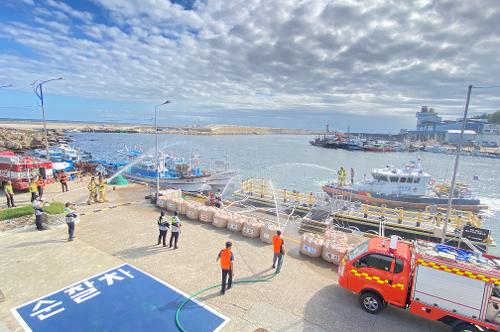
{"x": 457, "y": 287}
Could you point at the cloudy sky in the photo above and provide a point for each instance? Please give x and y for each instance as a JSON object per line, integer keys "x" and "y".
{"x": 369, "y": 63}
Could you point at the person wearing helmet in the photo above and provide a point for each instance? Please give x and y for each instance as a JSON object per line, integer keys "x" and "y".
{"x": 226, "y": 258}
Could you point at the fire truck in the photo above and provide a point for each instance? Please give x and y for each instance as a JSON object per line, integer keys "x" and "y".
{"x": 20, "y": 169}
{"x": 457, "y": 287}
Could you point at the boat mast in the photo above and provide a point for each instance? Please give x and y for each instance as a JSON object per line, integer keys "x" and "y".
{"x": 455, "y": 168}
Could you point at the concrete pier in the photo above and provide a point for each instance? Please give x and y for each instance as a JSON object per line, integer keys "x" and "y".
{"x": 303, "y": 297}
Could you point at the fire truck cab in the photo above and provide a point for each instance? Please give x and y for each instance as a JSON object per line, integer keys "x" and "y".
{"x": 438, "y": 282}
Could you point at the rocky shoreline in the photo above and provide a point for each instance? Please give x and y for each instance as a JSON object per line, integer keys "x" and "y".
{"x": 20, "y": 140}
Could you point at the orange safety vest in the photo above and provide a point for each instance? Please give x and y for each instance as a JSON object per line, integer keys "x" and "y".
{"x": 277, "y": 242}
{"x": 225, "y": 259}
{"x": 63, "y": 178}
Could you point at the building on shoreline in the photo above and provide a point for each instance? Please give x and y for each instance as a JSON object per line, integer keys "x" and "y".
{"x": 431, "y": 126}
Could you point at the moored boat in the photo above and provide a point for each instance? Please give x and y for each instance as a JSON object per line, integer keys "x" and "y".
{"x": 409, "y": 188}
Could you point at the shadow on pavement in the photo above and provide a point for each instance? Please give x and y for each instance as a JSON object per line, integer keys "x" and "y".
{"x": 143, "y": 251}
{"x": 37, "y": 243}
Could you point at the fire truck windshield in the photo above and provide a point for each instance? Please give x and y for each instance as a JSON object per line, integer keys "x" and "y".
{"x": 359, "y": 250}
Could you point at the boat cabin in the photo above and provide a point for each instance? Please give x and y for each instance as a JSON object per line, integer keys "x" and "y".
{"x": 408, "y": 181}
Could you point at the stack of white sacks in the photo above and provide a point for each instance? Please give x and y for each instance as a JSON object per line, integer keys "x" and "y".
{"x": 332, "y": 246}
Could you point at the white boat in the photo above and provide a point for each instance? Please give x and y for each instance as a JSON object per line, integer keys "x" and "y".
{"x": 220, "y": 175}
{"x": 408, "y": 187}
{"x": 61, "y": 152}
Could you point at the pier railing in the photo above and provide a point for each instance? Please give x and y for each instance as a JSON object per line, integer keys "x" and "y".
{"x": 424, "y": 219}
{"x": 260, "y": 188}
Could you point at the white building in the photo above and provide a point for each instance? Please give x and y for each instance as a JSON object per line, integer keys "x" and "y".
{"x": 453, "y": 136}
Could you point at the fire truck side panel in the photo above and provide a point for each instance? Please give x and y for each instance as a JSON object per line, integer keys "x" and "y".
{"x": 450, "y": 292}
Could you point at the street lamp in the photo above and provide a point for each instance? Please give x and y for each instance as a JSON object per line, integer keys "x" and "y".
{"x": 38, "y": 89}
{"x": 457, "y": 156}
{"x": 156, "y": 150}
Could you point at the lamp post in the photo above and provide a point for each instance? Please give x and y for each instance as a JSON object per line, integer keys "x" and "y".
{"x": 156, "y": 150}
{"x": 38, "y": 89}
{"x": 455, "y": 168}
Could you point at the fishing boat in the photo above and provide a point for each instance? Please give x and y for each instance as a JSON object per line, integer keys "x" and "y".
{"x": 58, "y": 153}
{"x": 409, "y": 187}
{"x": 21, "y": 169}
{"x": 220, "y": 175}
{"x": 173, "y": 172}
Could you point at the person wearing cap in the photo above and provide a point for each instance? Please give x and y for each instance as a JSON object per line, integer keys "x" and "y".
{"x": 163, "y": 227}
{"x": 69, "y": 210}
{"x": 226, "y": 258}
{"x": 278, "y": 248}
{"x": 38, "y": 209}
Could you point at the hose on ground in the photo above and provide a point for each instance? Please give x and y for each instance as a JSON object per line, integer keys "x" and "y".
{"x": 194, "y": 295}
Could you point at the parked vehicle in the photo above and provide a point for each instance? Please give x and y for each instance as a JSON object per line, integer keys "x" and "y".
{"x": 457, "y": 287}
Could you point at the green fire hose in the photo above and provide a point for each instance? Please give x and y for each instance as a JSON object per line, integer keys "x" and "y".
{"x": 192, "y": 296}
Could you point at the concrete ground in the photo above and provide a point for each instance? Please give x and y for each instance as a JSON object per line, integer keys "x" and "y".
{"x": 304, "y": 297}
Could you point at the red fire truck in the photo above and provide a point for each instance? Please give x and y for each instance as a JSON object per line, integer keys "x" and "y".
{"x": 20, "y": 169}
{"x": 457, "y": 287}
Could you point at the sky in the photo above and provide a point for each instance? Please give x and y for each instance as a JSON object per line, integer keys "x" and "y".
{"x": 367, "y": 64}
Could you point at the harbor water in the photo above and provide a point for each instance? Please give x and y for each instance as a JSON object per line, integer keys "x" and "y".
{"x": 292, "y": 163}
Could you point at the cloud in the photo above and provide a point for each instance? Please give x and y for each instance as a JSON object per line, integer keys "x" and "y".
{"x": 376, "y": 58}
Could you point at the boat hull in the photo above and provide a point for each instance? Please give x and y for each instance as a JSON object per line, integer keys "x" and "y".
{"x": 186, "y": 184}
{"x": 406, "y": 202}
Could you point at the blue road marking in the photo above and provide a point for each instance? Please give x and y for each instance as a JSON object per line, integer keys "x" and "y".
{"x": 121, "y": 299}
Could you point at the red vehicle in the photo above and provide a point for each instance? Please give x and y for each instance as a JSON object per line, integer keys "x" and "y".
{"x": 435, "y": 281}
{"x": 20, "y": 169}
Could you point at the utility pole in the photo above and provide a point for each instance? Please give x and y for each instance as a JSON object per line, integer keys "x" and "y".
{"x": 455, "y": 168}
{"x": 38, "y": 89}
{"x": 156, "y": 150}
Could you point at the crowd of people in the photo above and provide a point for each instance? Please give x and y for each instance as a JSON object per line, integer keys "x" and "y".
{"x": 36, "y": 186}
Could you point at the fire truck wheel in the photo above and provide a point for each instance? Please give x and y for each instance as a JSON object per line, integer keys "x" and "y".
{"x": 371, "y": 303}
{"x": 465, "y": 327}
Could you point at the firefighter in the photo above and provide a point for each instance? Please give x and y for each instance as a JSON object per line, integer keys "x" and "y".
{"x": 9, "y": 194}
{"x": 33, "y": 189}
{"x": 40, "y": 184}
{"x": 101, "y": 186}
{"x": 218, "y": 199}
{"x": 278, "y": 249}
{"x": 341, "y": 174}
{"x": 92, "y": 187}
{"x": 226, "y": 258}
{"x": 63, "y": 178}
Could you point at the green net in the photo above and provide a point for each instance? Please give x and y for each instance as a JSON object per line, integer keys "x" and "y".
{"x": 119, "y": 181}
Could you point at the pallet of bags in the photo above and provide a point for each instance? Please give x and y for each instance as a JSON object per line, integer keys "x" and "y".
{"x": 333, "y": 252}
{"x": 193, "y": 210}
{"x": 172, "y": 204}
{"x": 311, "y": 244}
{"x": 221, "y": 218}
{"x": 267, "y": 232}
{"x": 251, "y": 228}
{"x": 161, "y": 202}
{"x": 207, "y": 214}
{"x": 181, "y": 206}
{"x": 236, "y": 222}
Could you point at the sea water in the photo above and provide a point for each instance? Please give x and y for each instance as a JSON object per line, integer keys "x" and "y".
{"x": 292, "y": 163}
